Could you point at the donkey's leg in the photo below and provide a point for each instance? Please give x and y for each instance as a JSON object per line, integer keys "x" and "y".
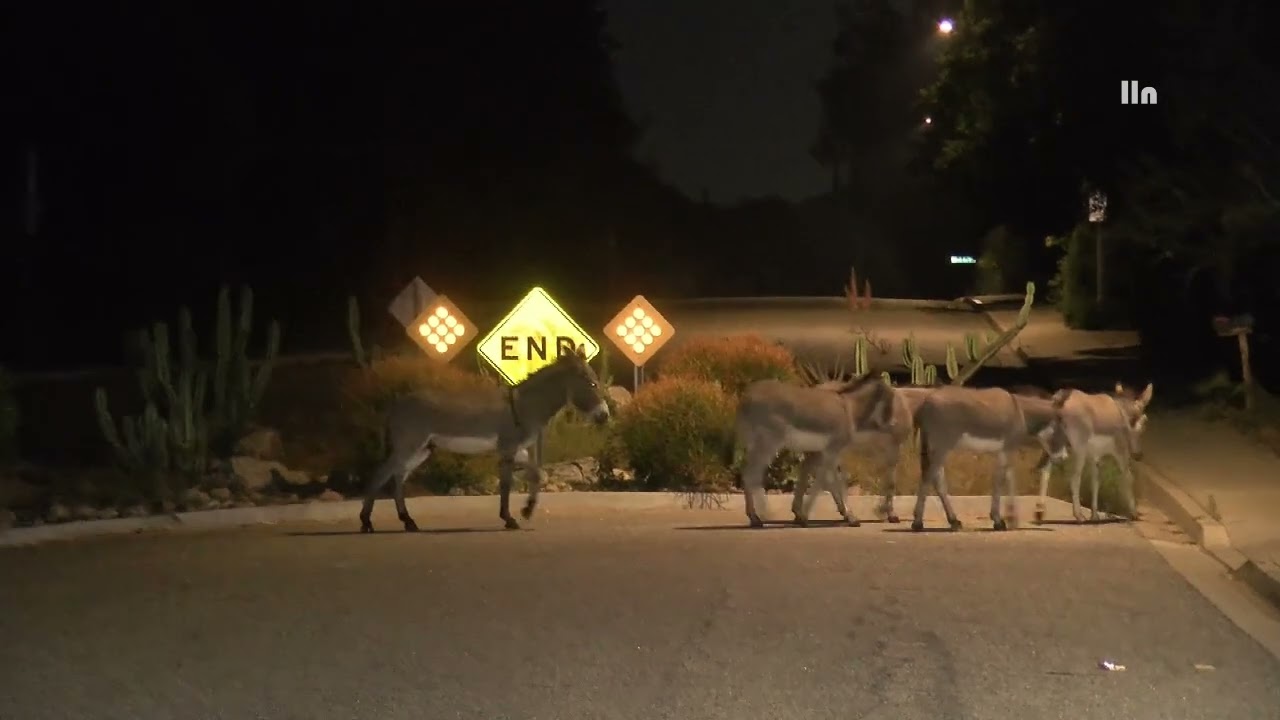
{"x": 395, "y": 463}
{"x": 997, "y": 481}
{"x": 1044, "y": 466}
{"x": 889, "y": 482}
{"x": 506, "y": 471}
{"x": 930, "y": 466}
{"x": 402, "y": 510}
{"x": 799, "y": 497}
{"x": 940, "y": 486}
{"x": 753, "y": 469}
{"x": 1075, "y": 473}
{"x": 1011, "y": 492}
{"x": 839, "y": 489}
{"x": 532, "y": 479}
{"x": 1093, "y": 488}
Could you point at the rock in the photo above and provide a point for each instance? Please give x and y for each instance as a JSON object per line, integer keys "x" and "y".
{"x": 220, "y": 493}
{"x": 260, "y": 474}
{"x": 457, "y": 491}
{"x": 195, "y": 499}
{"x": 109, "y": 513}
{"x": 136, "y": 511}
{"x": 84, "y": 512}
{"x": 620, "y": 396}
{"x": 261, "y": 444}
{"x": 18, "y": 493}
{"x": 621, "y": 475}
{"x": 57, "y": 513}
{"x": 330, "y": 496}
{"x": 7, "y": 519}
{"x": 570, "y": 474}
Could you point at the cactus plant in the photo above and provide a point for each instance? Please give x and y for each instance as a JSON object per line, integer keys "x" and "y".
{"x": 861, "y": 365}
{"x": 998, "y": 342}
{"x": 910, "y": 350}
{"x": 887, "y": 378}
{"x": 930, "y": 375}
{"x": 971, "y": 350}
{"x": 953, "y": 365}
{"x": 177, "y": 429}
{"x": 353, "y": 332}
{"x": 237, "y": 389}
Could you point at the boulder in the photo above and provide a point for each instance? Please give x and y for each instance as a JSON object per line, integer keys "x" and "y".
{"x": 196, "y": 499}
{"x": 261, "y": 444}
{"x": 570, "y": 474}
{"x": 621, "y": 396}
{"x": 257, "y": 474}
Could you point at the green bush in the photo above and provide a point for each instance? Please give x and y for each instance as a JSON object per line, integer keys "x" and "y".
{"x": 569, "y": 436}
{"x": 9, "y": 418}
{"x": 677, "y": 433}
{"x": 735, "y": 362}
{"x": 1073, "y": 290}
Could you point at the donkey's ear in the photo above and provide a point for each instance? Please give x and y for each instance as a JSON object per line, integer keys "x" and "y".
{"x": 1145, "y": 398}
{"x": 1119, "y": 388}
{"x": 1060, "y": 398}
{"x": 582, "y": 351}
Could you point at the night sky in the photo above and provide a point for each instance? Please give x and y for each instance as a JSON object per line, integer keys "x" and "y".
{"x": 725, "y": 91}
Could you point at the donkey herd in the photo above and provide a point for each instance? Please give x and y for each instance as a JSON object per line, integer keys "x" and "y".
{"x": 820, "y": 422}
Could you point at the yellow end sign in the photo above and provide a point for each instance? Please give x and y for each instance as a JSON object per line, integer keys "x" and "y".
{"x": 532, "y": 336}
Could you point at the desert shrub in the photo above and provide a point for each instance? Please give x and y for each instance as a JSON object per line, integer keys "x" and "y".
{"x": 8, "y": 419}
{"x": 1003, "y": 264}
{"x": 735, "y": 362}
{"x": 569, "y": 436}
{"x": 369, "y": 394}
{"x": 677, "y": 434}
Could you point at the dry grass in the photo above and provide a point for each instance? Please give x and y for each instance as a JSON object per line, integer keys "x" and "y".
{"x": 969, "y": 473}
{"x": 734, "y": 362}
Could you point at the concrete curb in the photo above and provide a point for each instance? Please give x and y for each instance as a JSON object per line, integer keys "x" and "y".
{"x": 968, "y": 507}
{"x": 318, "y": 512}
{"x": 1206, "y": 531}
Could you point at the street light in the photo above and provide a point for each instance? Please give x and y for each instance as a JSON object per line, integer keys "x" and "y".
{"x": 928, "y": 121}
{"x": 945, "y": 26}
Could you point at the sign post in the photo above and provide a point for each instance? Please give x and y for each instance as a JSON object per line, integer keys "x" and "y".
{"x": 441, "y": 330}
{"x": 639, "y": 331}
{"x": 411, "y": 302}
{"x": 530, "y": 337}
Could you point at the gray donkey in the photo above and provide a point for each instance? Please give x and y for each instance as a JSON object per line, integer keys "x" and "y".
{"x": 819, "y": 421}
{"x": 505, "y": 420}
{"x": 1098, "y": 425}
{"x": 985, "y": 420}
{"x": 885, "y": 445}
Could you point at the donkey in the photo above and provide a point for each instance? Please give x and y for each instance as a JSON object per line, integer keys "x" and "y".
{"x": 886, "y": 445}
{"x": 472, "y": 422}
{"x": 985, "y": 420}
{"x": 773, "y": 416}
{"x": 1098, "y": 425}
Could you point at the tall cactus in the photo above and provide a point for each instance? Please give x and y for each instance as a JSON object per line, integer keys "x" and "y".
{"x": 237, "y": 388}
{"x": 995, "y": 344}
{"x": 177, "y": 429}
{"x": 953, "y": 366}
{"x": 861, "y": 365}
{"x": 353, "y": 332}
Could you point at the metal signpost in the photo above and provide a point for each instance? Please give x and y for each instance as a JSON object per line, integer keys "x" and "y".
{"x": 639, "y": 331}
{"x": 530, "y": 337}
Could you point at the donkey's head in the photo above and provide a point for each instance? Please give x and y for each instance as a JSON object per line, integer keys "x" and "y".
{"x": 1134, "y": 411}
{"x": 869, "y": 400}
{"x": 582, "y": 386}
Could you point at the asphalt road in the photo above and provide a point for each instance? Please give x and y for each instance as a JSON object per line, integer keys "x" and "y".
{"x": 595, "y": 613}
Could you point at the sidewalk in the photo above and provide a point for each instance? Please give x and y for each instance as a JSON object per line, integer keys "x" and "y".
{"x": 1220, "y": 486}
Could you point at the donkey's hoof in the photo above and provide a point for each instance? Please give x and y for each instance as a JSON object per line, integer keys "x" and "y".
{"x": 801, "y": 522}
{"x": 853, "y": 521}
{"x": 366, "y": 527}
{"x": 410, "y": 525}
{"x": 511, "y": 524}
{"x": 892, "y": 519}
{"x": 917, "y": 526}
{"x": 956, "y": 525}
{"x": 1039, "y": 516}
{"x": 526, "y": 512}
{"x": 755, "y": 522}
{"x": 1000, "y": 525}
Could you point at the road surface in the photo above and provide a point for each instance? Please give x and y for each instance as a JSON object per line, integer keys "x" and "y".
{"x": 595, "y": 613}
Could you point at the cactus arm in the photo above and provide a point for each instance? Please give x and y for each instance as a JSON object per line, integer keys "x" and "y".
{"x": 953, "y": 365}
{"x": 1001, "y": 340}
